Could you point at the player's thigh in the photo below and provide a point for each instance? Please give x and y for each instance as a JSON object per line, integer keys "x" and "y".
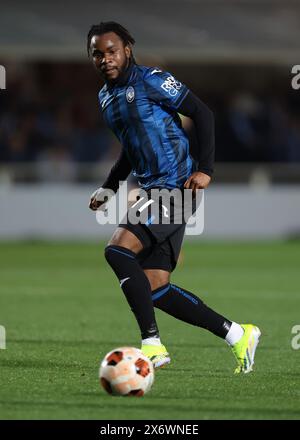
{"x": 157, "y": 277}
{"x": 127, "y": 239}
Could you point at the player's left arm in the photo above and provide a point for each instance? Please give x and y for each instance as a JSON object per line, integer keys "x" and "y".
{"x": 203, "y": 119}
{"x": 167, "y": 91}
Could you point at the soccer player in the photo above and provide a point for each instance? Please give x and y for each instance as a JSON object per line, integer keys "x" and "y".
{"x": 141, "y": 105}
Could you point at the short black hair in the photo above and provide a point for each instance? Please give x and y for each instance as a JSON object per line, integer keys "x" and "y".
{"x": 110, "y": 26}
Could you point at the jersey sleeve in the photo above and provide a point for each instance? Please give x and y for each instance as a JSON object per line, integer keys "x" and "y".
{"x": 119, "y": 172}
{"x": 164, "y": 89}
{"x": 203, "y": 119}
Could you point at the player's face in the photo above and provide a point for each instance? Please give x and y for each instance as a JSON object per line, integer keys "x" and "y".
{"x": 110, "y": 56}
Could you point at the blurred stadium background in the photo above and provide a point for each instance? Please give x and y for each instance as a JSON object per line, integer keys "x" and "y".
{"x": 236, "y": 55}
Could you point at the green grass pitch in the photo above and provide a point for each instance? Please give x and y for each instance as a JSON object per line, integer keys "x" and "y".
{"x": 63, "y": 311}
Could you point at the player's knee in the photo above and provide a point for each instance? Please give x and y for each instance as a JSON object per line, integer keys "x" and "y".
{"x": 127, "y": 239}
{"x": 115, "y": 255}
{"x": 108, "y": 254}
{"x": 111, "y": 254}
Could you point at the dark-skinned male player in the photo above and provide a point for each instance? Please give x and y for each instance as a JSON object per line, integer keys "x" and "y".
{"x": 141, "y": 105}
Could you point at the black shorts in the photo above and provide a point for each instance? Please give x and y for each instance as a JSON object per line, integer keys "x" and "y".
{"x": 162, "y": 240}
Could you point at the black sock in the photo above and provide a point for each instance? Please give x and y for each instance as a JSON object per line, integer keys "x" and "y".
{"x": 189, "y": 308}
{"x": 135, "y": 286}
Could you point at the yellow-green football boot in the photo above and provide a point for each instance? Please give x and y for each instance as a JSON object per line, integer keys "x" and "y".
{"x": 244, "y": 349}
{"x": 157, "y": 354}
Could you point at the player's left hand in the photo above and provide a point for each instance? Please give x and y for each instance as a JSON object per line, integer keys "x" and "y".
{"x": 197, "y": 180}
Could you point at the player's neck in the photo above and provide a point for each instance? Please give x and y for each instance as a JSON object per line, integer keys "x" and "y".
{"x": 124, "y": 76}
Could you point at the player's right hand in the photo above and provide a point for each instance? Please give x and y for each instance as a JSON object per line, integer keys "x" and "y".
{"x": 99, "y": 198}
{"x": 94, "y": 204}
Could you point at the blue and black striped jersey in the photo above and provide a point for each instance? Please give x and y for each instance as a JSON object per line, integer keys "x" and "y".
{"x": 142, "y": 113}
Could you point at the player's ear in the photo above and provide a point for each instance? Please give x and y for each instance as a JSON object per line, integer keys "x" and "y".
{"x": 128, "y": 51}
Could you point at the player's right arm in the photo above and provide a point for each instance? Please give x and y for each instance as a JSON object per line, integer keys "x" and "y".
{"x": 119, "y": 172}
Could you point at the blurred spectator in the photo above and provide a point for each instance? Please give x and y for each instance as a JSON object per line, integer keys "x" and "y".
{"x": 55, "y": 165}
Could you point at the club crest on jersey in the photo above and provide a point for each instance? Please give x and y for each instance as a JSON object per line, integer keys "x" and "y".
{"x": 130, "y": 94}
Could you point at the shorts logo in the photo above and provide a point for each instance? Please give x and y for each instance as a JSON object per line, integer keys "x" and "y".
{"x": 158, "y": 206}
{"x": 171, "y": 85}
{"x": 165, "y": 209}
{"x": 130, "y": 94}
